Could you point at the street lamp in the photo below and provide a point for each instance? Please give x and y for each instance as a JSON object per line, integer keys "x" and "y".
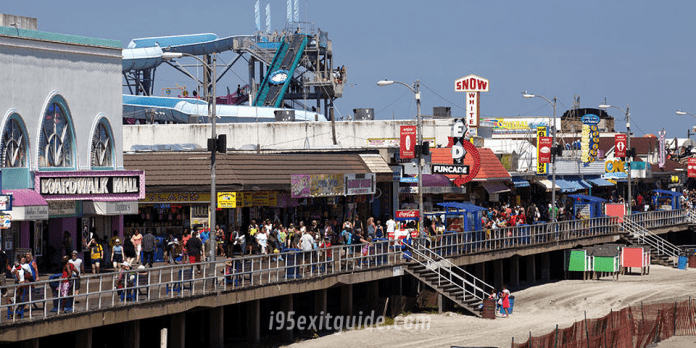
{"x": 212, "y": 105}
{"x": 688, "y": 131}
{"x": 629, "y": 152}
{"x": 553, "y": 149}
{"x": 419, "y": 133}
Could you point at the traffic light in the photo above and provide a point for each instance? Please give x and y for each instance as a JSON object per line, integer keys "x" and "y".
{"x": 219, "y": 144}
{"x": 425, "y": 149}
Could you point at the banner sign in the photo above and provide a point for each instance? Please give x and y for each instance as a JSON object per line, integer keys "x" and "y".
{"x": 662, "y": 151}
{"x": 541, "y": 167}
{"x": 620, "y": 145}
{"x": 360, "y": 184}
{"x": 407, "y": 144}
{"x": 326, "y": 185}
{"x": 590, "y": 143}
{"x": 692, "y": 167}
{"x": 545, "y": 149}
{"x": 300, "y": 185}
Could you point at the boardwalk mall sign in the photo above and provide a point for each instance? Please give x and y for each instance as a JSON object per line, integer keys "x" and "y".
{"x": 91, "y": 184}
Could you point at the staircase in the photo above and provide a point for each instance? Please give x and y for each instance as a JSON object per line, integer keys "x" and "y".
{"x": 691, "y": 216}
{"x": 662, "y": 252}
{"x": 446, "y": 278}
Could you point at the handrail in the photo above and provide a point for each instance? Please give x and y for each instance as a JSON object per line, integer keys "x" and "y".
{"x": 443, "y": 263}
{"x": 644, "y": 236}
{"x": 98, "y": 291}
{"x": 187, "y": 280}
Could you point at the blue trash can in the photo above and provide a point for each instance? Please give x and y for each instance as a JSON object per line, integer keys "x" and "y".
{"x": 683, "y": 262}
{"x": 293, "y": 260}
{"x": 512, "y": 302}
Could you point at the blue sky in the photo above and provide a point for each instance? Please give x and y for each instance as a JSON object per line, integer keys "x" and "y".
{"x": 639, "y": 53}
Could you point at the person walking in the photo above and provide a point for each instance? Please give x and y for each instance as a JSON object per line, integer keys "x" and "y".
{"x": 128, "y": 250}
{"x": 137, "y": 240}
{"x": 96, "y": 253}
{"x": 194, "y": 247}
{"x": 117, "y": 254}
{"x": 149, "y": 246}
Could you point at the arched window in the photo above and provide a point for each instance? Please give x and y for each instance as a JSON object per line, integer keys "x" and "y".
{"x": 14, "y": 146}
{"x": 56, "y": 138}
{"x": 102, "y": 145}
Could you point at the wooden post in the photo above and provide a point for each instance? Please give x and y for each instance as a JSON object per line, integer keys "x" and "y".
{"x": 587, "y": 331}
{"x": 163, "y": 338}
{"x": 556, "y": 343}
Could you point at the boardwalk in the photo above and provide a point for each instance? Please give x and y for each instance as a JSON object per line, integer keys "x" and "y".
{"x": 172, "y": 282}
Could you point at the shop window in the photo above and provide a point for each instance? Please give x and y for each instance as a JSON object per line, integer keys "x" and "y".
{"x": 14, "y": 143}
{"x": 57, "y": 137}
{"x": 102, "y": 145}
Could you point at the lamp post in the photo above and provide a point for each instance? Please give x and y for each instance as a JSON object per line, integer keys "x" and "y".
{"x": 553, "y": 149}
{"x": 688, "y": 131}
{"x": 212, "y": 106}
{"x": 629, "y": 152}
{"x": 419, "y": 126}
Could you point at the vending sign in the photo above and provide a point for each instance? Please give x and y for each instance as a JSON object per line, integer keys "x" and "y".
{"x": 407, "y": 215}
{"x": 620, "y": 145}
{"x": 692, "y": 167}
{"x": 407, "y": 144}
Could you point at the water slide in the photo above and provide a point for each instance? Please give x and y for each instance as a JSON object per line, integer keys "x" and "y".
{"x": 276, "y": 82}
{"x": 146, "y": 53}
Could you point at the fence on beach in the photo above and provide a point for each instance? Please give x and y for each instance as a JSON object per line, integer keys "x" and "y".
{"x": 635, "y": 326}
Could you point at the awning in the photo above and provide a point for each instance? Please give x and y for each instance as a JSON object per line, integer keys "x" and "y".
{"x": 567, "y": 186}
{"x": 433, "y": 180}
{"x": 547, "y": 184}
{"x": 110, "y": 208}
{"x": 27, "y": 205}
{"x": 597, "y": 181}
{"x": 579, "y": 181}
{"x": 520, "y": 182}
{"x": 495, "y": 187}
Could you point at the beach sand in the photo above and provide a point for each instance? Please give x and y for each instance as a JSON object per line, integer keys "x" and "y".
{"x": 537, "y": 310}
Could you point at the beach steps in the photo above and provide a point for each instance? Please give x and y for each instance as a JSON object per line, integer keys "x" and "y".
{"x": 450, "y": 290}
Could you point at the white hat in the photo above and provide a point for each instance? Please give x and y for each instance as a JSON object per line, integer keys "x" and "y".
{"x": 125, "y": 263}
{"x": 141, "y": 267}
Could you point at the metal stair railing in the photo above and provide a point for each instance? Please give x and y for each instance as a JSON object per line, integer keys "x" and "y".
{"x": 691, "y": 215}
{"x": 645, "y": 237}
{"x": 476, "y": 288}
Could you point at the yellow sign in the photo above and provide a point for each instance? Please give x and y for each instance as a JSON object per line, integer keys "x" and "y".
{"x": 541, "y": 167}
{"x": 227, "y": 199}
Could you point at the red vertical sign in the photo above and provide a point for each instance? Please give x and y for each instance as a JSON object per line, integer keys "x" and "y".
{"x": 407, "y": 145}
{"x": 620, "y": 145}
{"x": 545, "y": 149}
{"x": 692, "y": 167}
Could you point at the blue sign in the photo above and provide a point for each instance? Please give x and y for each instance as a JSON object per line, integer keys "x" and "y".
{"x": 590, "y": 119}
{"x": 409, "y": 179}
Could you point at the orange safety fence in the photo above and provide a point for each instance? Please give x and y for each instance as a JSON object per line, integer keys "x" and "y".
{"x": 632, "y": 327}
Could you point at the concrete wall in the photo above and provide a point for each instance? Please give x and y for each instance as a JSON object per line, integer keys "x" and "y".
{"x": 87, "y": 77}
{"x": 283, "y": 135}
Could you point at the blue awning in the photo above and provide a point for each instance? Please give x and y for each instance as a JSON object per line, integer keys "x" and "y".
{"x": 597, "y": 181}
{"x": 567, "y": 186}
{"x": 579, "y": 181}
{"x": 588, "y": 198}
{"x": 520, "y": 182}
